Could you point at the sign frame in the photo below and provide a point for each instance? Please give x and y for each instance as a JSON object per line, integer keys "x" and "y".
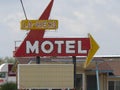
{"x": 55, "y": 76}
{"x": 39, "y": 24}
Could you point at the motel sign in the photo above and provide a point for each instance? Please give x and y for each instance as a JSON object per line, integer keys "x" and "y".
{"x": 56, "y": 47}
{"x": 36, "y": 45}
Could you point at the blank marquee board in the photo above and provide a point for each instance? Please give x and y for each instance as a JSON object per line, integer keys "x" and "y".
{"x": 44, "y": 76}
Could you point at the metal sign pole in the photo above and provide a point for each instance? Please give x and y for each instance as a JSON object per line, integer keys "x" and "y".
{"x": 97, "y": 76}
{"x": 38, "y": 60}
{"x": 74, "y": 62}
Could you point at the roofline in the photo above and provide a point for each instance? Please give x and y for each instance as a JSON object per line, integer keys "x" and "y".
{"x": 109, "y": 56}
{"x": 101, "y": 71}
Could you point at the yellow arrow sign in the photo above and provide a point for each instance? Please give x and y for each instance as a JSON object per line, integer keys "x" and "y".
{"x": 92, "y": 51}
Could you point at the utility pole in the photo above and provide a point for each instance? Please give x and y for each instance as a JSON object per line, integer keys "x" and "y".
{"x": 97, "y": 76}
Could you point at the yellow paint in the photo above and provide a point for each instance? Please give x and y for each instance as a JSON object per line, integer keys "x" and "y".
{"x": 92, "y": 51}
{"x": 39, "y": 24}
{"x": 14, "y": 67}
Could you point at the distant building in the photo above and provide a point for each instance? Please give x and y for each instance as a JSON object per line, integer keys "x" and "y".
{"x": 108, "y": 66}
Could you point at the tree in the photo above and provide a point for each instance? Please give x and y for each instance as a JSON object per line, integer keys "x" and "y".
{"x": 7, "y": 60}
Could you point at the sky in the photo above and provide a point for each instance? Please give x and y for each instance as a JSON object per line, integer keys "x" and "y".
{"x": 77, "y": 18}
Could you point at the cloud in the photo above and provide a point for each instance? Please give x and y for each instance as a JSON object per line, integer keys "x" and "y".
{"x": 76, "y": 18}
{"x": 102, "y": 2}
{"x": 114, "y": 18}
{"x": 12, "y": 21}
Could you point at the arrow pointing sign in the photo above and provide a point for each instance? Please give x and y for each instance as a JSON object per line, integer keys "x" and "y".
{"x": 54, "y": 47}
{"x": 92, "y": 51}
{"x": 35, "y": 45}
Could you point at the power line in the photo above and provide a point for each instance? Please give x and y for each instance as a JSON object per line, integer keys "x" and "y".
{"x": 23, "y": 9}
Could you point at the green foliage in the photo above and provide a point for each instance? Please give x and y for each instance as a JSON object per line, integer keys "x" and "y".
{"x": 1, "y": 61}
{"x": 9, "y": 86}
{"x": 7, "y": 60}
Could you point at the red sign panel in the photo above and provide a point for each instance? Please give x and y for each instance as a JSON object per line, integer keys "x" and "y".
{"x": 35, "y": 45}
{"x": 56, "y": 47}
{"x": 10, "y": 73}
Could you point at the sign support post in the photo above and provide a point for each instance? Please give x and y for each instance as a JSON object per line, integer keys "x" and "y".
{"x": 97, "y": 76}
{"x": 38, "y": 60}
{"x": 74, "y": 62}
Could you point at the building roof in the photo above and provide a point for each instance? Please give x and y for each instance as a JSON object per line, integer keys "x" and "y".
{"x": 115, "y": 66}
{"x": 106, "y": 64}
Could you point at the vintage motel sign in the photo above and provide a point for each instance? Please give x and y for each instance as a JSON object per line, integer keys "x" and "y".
{"x": 54, "y": 47}
{"x": 35, "y": 45}
{"x": 39, "y": 24}
{"x": 58, "y": 47}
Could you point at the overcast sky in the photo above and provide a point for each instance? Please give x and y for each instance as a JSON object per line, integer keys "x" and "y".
{"x": 76, "y": 18}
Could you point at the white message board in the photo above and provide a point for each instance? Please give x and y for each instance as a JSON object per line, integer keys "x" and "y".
{"x": 45, "y": 76}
